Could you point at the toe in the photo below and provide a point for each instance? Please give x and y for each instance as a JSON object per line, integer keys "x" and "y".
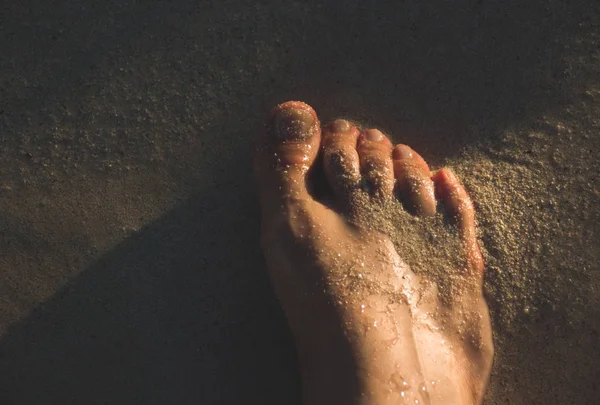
{"x": 413, "y": 181}
{"x": 285, "y": 151}
{"x": 374, "y": 151}
{"x": 340, "y": 158}
{"x": 459, "y": 205}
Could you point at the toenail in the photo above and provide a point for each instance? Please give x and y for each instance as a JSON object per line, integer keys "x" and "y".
{"x": 374, "y": 135}
{"x": 293, "y": 124}
{"x": 340, "y": 126}
{"x": 402, "y": 152}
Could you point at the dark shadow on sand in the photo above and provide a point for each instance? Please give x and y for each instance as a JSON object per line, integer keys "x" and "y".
{"x": 181, "y": 312}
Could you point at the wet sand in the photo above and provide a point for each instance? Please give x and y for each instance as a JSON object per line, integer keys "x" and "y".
{"x": 130, "y": 269}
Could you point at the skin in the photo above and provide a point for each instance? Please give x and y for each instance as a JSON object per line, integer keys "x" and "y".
{"x": 387, "y": 337}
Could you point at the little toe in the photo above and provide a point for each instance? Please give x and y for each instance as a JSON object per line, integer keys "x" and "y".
{"x": 340, "y": 158}
{"x": 413, "y": 181}
{"x": 458, "y": 204}
{"x": 285, "y": 151}
{"x": 374, "y": 151}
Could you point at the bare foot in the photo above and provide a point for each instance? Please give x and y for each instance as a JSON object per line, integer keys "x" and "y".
{"x": 369, "y": 329}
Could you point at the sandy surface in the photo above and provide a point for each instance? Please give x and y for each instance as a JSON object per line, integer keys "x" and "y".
{"x": 130, "y": 270}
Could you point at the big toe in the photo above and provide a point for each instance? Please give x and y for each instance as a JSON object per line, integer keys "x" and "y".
{"x": 285, "y": 151}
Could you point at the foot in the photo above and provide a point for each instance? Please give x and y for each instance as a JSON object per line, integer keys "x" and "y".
{"x": 382, "y": 291}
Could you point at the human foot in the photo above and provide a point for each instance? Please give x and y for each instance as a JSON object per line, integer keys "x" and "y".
{"x": 371, "y": 326}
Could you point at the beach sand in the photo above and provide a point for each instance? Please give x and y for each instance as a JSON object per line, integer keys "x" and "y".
{"x": 130, "y": 268}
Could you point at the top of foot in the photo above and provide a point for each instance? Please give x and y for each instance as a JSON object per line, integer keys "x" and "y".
{"x": 376, "y": 264}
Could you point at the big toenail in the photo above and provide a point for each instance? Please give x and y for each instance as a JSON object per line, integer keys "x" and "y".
{"x": 402, "y": 152}
{"x": 293, "y": 124}
{"x": 340, "y": 126}
{"x": 374, "y": 135}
